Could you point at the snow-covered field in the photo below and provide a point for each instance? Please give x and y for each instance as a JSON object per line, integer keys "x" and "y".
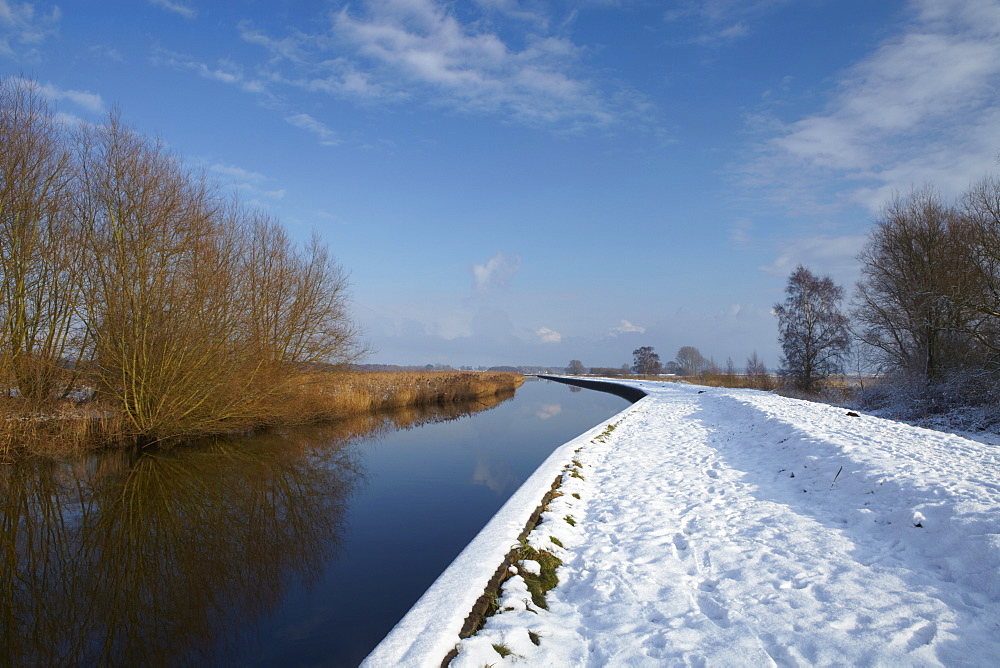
{"x": 734, "y": 527}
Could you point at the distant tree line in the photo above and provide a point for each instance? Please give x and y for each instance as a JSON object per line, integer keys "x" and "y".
{"x": 124, "y": 271}
{"x": 689, "y": 362}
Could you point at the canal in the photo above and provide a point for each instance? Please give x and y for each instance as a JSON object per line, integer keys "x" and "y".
{"x": 300, "y": 547}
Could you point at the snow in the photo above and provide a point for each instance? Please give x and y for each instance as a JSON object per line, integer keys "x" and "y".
{"x": 735, "y": 527}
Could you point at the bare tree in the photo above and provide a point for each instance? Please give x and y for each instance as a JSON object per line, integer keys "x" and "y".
{"x": 40, "y": 282}
{"x": 912, "y": 302}
{"x": 690, "y": 361}
{"x": 811, "y": 329}
{"x": 576, "y": 368}
{"x": 645, "y": 362}
{"x": 981, "y": 211}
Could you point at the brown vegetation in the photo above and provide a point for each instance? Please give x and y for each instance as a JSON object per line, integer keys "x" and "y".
{"x": 350, "y": 401}
{"x": 128, "y": 279}
{"x": 326, "y": 396}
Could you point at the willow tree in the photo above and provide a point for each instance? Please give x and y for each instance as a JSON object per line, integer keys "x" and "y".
{"x": 199, "y": 307}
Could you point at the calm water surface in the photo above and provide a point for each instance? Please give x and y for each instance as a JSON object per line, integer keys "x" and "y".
{"x": 299, "y": 548}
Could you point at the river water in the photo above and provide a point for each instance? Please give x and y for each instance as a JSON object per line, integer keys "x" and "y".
{"x": 300, "y": 547}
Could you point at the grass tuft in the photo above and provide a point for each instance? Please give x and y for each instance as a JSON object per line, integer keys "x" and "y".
{"x": 539, "y": 585}
{"x": 502, "y": 650}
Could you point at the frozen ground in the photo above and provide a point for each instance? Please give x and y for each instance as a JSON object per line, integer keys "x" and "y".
{"x": 734, "y": 527}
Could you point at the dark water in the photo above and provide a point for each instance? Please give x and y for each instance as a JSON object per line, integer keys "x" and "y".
{"x": 297, "y": 548}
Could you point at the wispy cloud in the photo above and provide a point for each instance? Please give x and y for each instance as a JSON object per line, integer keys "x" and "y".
{"x": 824, "y": 254}
{"x": 495, "y": 274}
{"x": 924, "y": 106}
{"x": 86, "y": 100}
{"x": 224, "y": 70}
{"x": 418, "y": 43}
{"x": 246, "y": 181}
{"x": 22, "y": 29}
{"x": 175, "y": 7}
{"x": 327, "y": 137}
{"x": 237, "y": 173}
{"x": 718, "y": 22}
{"x": 419, "y": 49}
{"x": 106, "y": 51}
{"x": 740, "y": 233}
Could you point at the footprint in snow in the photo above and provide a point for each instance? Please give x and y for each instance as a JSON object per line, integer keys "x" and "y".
{"x": 715, "y": 612}
{"x": 924, "y": 635}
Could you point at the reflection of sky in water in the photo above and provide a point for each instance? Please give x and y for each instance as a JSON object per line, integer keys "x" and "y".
{"x": 496, "y": 476}
{"x": 549, "y": 411}
{"x": 282, "y": 549}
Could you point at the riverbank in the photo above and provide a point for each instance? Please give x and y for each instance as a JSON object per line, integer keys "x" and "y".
{"x": 72, "y": 426}
{"x": 732, "y": 527}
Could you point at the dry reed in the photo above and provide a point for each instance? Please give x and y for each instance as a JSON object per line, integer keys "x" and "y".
{"x": 65, "y": 427}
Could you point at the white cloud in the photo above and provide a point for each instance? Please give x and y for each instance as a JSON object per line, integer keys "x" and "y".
{"x": 175, "y": 7}
{"x": 22, "y": 29}
{"x": 494, "y": 274}
{"x": 924, "y": 106}
{"x": 327, "y": 137}
{"x": 546, "y": 335}
{"x": 91, "y": 102}
{"x": 404, "y": 49}
{"x": 234, "y": 172}
{"x": 627, "y": 327}
{"x": 836, "y": 256}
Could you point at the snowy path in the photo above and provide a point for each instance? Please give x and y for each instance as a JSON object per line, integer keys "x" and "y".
{"x": 710, "y": 531}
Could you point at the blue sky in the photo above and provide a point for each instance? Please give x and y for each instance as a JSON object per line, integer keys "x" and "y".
{"x": 529, "y": 182}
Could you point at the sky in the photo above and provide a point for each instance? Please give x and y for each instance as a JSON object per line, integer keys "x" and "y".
{"x": 530, "y": 182}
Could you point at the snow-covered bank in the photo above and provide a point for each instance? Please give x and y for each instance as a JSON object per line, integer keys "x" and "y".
{"x": 735, "y": 527}
{"x": 431, "y": 628}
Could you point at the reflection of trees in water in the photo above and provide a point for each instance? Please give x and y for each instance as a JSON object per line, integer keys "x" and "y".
{"x": 164, "y": 555}
{"x": 131, "y": 558}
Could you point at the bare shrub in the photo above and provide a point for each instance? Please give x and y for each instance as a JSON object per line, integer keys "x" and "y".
{"x": 757, "y": 375}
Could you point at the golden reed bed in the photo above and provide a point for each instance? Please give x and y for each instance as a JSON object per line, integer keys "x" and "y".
{"x": 308, "y": 398}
